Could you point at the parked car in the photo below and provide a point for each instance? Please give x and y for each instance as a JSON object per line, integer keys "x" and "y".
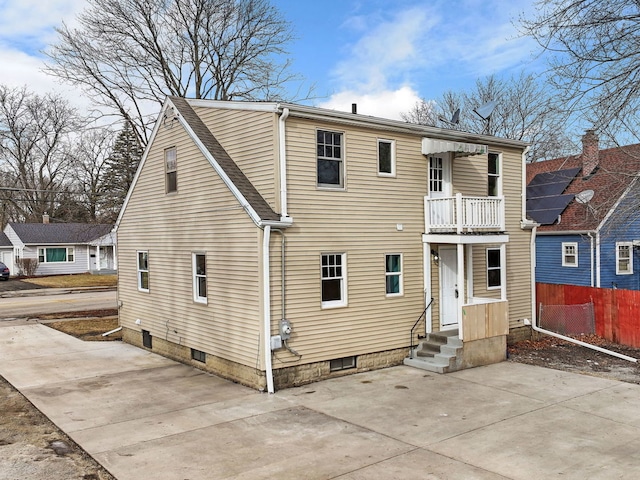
{"x": 4, "y": 271}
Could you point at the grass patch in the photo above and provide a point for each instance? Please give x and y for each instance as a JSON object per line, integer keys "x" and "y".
{"x": 89, "y": 329}
{"x": 79, "y": 280}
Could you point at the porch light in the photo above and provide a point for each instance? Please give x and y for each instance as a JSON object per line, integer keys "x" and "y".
{"x": 434, "y": 256}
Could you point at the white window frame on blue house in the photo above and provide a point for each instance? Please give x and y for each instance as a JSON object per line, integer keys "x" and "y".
{"x": 45, "y": 257}
{"x": 624, "y": 260}
{"x": 570, "y": 250}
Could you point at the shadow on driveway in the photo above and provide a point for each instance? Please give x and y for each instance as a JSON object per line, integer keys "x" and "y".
{"x": 14, "y": 284}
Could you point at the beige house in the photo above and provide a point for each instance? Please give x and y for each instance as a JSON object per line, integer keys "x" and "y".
{"x": 277, "y": 244}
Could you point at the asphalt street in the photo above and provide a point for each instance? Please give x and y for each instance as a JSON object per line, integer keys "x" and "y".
{"x": 56, "y": 302}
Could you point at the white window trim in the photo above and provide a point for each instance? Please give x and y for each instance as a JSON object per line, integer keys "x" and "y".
{"x": 564, "y": 254}
{"x": 139, "y": 270}
{"x": 197, "y": 298}
{"x": 624, "y": 244}
{"x": 391, "y": 274}
{"x": 393, "y": 157}
{"x": 70, "y": 251}
{"x": 168, "y": 171}
{"x": 498, "y": 175}
{"x": 494, "y": 287}
{"x": 343, "y": 163}
{"x": 343, "y": 285}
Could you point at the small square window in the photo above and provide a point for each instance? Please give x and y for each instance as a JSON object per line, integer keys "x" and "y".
{"x": 386, "y": 158}
{"x": 198, "y": 355}
{"x": 345, "y": 363}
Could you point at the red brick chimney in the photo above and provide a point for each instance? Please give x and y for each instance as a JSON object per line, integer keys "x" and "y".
{"x": 590, "y": 152}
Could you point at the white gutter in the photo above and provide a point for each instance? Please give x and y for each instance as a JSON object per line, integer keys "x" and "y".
{"x": 266, "y": 334}
{"x": 534, "y": 323}
{"x": 283, "y": 162}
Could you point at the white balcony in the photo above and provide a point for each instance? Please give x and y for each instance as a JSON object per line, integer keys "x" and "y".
{"x": 464, "y": 214}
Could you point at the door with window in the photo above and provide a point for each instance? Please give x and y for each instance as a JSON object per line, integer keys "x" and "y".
{"x": 448, "y": 287}
{"x": 440, "y": 189}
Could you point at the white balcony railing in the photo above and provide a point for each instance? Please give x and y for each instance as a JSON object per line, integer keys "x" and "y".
{"x": 463, "y": 214}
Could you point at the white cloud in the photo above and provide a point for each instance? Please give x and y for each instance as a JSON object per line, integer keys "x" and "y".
{"x": 382, "y": 103}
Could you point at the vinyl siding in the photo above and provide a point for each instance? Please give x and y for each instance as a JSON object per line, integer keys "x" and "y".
{"x": 79, "y": 265}
{"x": 361, "y": 222}
{"x": 549, "y": 267}
{"x": 202, "y": 216}
{"x": 250, "y": 138}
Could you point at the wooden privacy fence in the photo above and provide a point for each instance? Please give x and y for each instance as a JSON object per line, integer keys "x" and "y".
{"x": 617, "y": 312}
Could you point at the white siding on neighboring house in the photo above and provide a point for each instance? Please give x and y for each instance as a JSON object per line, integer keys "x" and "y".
{"x": 79, "y": 265}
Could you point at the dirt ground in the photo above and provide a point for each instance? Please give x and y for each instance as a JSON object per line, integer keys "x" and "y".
{"x": 551, "y": 352}
{"x": 31, "y": 447}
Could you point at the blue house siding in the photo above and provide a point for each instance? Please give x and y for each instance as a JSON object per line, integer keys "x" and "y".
{"x": 79, "y": 265}
{"x": 549, "y": 267}
{"x": 616, "y": 230}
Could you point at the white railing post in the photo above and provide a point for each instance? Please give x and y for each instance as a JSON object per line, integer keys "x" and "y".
{"x": 458, "y": 213}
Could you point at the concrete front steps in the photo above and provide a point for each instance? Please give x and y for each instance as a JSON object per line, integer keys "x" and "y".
{"x": 439, "y": 352}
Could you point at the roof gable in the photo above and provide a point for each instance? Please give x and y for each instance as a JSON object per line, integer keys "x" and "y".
{"x": 617, "y": 169}
{"x": 59, "y": 233}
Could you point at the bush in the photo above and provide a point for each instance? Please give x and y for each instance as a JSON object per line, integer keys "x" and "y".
{"x": 27, "y": 266}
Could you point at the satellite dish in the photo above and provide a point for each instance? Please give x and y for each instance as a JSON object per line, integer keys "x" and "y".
{"x": 584, "y": 196}
{"x": 455, "y": 119}
{"x": 485, "y": 111}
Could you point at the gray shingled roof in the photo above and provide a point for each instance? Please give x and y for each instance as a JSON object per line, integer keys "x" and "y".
{"x": 59, "y": 233}
{"x": 4, "y": 240}
{"x": 239, "y": 179}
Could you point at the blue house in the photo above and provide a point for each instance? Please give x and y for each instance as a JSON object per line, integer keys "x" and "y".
{"x": 589, "y": 221}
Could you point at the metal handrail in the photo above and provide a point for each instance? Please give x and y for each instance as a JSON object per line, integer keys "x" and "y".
{"x": 423, "y": 314}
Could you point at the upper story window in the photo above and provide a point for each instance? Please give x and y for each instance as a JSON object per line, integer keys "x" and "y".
{"x": 171, "y": 169}
{"x": 393, "y": 274}
{"x": 624, "y": 258}
{"x": 333, "y": 277}
{"x": 199, "y": 278}
{"x": 436, "y": 175}
{"x": 494, "y": 268}
{"x": 386, "y": 158}
{"x": 493, "y": 172}
{"x": 143, "y": 271}
{"x": 330, "y": 165}
{"x": 56, "y": 254}
{"x": 569, "y": 254}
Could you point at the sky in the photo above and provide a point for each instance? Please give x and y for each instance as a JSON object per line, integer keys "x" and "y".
{"x": 383, "y": 55}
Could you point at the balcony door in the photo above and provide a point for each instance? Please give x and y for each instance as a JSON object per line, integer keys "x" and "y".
{"x": 440, "y": 188}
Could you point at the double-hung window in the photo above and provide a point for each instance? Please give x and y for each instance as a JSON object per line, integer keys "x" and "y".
{"x": 330, "y": 164}
{"x": 494, "y": 268}
{"x": 386, "y": 158}
{"x": 171, "y": 169}
{"x": 199, "y": 278}
{"x": 56, "y": 255}
{"x": 569, "y": 254}
{"x": 624, "y": 258}
{"x": 143, "y": 271}
{"x": 393, "y": 274}
{"x": 493, "y": 172}
{"x": 333, "y": 278}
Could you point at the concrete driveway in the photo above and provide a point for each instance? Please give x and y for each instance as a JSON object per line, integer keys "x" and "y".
{"x": 144, "y": 416}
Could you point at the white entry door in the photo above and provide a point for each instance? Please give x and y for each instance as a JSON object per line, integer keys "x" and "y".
{"x": 448, "y": 287}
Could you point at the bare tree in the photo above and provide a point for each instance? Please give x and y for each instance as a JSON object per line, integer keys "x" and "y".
{"x": 524, "y": 110}
{"x": 127, "y": 55}
{"x": 34, "y": 152}
{"x": 593, "y": 49}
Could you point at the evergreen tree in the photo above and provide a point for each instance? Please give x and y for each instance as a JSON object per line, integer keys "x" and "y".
{"x": 121, "y": 166}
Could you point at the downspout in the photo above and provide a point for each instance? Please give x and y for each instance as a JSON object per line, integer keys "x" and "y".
{"x": 283, "y": 163}
{"x": 598, "y": 259}
{"x": 534, "y": 324}
{"x": 592, "y": 256}
{"x": 266, "y": 292}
